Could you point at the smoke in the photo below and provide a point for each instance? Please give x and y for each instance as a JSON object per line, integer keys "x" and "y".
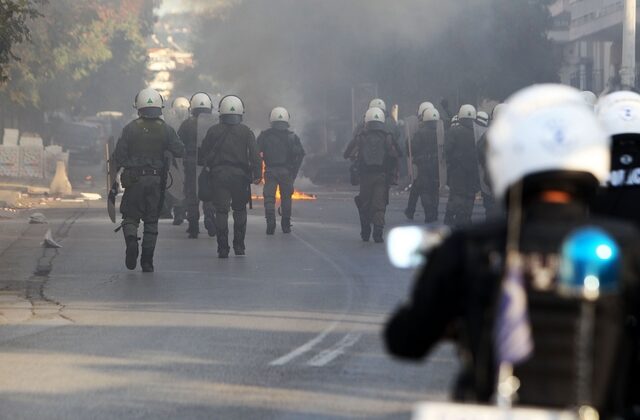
{"x": 306, "y": 54}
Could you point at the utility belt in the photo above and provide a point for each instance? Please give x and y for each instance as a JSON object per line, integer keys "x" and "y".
{"x": 238, "y": 165}
{"x": 145, "y": 172}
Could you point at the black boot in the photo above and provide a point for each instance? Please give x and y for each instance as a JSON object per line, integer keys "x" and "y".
{"x": 271, "y": 223}
{"x": 146, "y": 261}
{"x": 211, "y": 227}
{"x": 378, "y": 232}
{"x": 178, "y": 216}
{"x": 365, "y": 232}
{"x": 286, "y": 225}
{"x": 131, "y": 259}
{"x": 194, "y": 229}
{"x": 408, "y": 214}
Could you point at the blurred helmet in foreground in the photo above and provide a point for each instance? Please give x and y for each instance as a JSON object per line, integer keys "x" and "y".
{"x": 149, "y": 103}
{"x": 544, "y": 130}
{"x": 619, "y": 113}
{"x": 589, "y": 98}
{"x": 497, "y": 110}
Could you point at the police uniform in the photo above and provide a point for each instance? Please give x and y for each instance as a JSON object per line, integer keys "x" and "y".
{"x": 462, "y": 173}
{"x": 375, "y": 152}
{"x": 230, "y": 154}
{"x": 189, "y": 132}
{"x": 426, "y": 186}
{"x": 141, "y": 152}
{"x": 282, "y": 153}
{"x": 456, "y": 294}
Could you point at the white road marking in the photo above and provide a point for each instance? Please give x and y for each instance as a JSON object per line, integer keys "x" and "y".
{"x": 309, "y": 345}
{"x": 332, "y": 353}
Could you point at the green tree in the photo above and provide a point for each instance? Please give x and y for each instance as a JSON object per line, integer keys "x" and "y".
{"x": 82, "y": 55}
{"x": 14, "y": 15}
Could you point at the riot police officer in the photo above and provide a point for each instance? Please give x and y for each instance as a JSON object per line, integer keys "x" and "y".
{"x": 547, "y": 156}
{"x": 462, "y": 168}
{"x": 619, "y": 112}
{"x": 175, "y": 200}
{"x": 282, "y": 153}
{"x": 192, "y": 132}
{"x": 424, "y": 152}
{"x": 230, "y": 156}
{"x": 141, "y": 152}
{"x": 373, "y": 149}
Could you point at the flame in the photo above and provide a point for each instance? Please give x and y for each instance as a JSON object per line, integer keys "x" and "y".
{"x": 297, "y": 195}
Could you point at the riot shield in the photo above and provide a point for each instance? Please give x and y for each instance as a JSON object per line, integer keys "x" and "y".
{"x": 112, "y": 181}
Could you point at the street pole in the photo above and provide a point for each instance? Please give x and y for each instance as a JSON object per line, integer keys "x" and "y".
{"x": 628, "y": 70}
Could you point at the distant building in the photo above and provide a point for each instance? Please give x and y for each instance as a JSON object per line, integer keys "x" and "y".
{"x": 590, "y": 34}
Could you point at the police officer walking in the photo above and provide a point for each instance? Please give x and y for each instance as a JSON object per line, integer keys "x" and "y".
{"x": 282, "y": 153}
{"x": 501, "y": 282}
{"x": 192, "y": 132}
{"x": 424, "y": 153}
{"x": 175, "y": 200}
{"x": 141, "y": 152}
{"x": 230, "y": 156}
{"x": 462, "y": 168}
{"x": 373, "y": 149}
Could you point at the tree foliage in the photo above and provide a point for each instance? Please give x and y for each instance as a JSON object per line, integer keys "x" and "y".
{"x": 82, "y": 55}
{"x": 14, "y": 15}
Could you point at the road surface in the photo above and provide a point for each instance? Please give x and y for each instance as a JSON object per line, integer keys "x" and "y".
{"x": 290, "y": 331}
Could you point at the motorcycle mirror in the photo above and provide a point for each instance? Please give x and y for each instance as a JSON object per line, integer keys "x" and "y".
{"x": 408, "y": 246}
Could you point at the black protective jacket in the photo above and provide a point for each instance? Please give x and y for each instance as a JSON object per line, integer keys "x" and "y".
{"x": 424, "y": 151}
{"x": 281, "y": 148}
{"x": 231, "y": 145}
{"x": 621, "y": 197}
{"x": 143, "y": 143}
{"x": 455, "y": 297}
{"x": 462, "y": 158}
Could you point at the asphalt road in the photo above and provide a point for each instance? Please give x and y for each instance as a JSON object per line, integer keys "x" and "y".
{"x": 290, "y": 331}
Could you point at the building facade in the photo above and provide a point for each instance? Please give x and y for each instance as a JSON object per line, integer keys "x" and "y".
{"x": 590, "y": 35}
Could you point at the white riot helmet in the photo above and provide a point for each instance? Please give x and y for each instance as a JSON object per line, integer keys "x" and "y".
{"x": 589, "y": 98}
{"x": 497, "y": 110}
{"x": 231, "y": 109}
{"x": 430, "y": 114}
{"x": 149, "y": 103}
{"x": 423, "y": 106}
{"x": 378, "y": 103}
{"x": 468, "y": 112}
{"x": 279, "y": 117}
{"x": 374, "y": 119}
{"x": 482, "y": 118}
{"x": 201, "y": 100}
{"x": 180, "y": 103}
{"x": 619, "y": 113}
{"x": 545, "y": 128}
